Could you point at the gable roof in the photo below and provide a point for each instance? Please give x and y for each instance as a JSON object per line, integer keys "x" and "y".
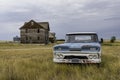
{"x": 45, "y": 25}
{"x": 32, "y": 24}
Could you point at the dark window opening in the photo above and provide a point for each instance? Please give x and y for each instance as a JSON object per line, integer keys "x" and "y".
{"x": 38, "y": 38}
{"x": 26, "y": 38}
{"x": 38, "y": 30}
{"x": 30, "y": 38}
{"x": 26, "y": 30}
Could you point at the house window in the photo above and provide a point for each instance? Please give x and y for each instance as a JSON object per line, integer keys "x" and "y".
{"x": 30, "y": 38}
{"x": 32, "y": 23}
{"x": 26, "y": 38}
{"x": 26, "y": 30}
{"x": 38, "y": 31}
{"x": 38, "y": 38}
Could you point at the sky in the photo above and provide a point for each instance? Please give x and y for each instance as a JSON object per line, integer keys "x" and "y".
{"x": 64, "y": 16}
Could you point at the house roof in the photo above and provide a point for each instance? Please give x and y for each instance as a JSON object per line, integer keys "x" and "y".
{"x": 45, "y": 25}
{"x": 32, "y": 24}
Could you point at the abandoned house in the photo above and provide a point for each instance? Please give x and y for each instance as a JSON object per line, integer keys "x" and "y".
{"x": 35, "y": 32}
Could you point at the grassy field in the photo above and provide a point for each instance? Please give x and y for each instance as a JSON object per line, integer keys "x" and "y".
{"x": 34, "y": 62}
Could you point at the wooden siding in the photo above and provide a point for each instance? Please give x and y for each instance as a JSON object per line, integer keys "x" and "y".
{"x": 33, "y": 36}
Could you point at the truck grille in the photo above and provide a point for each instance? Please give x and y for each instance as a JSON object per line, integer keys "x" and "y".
{"x": 77, "y": 57}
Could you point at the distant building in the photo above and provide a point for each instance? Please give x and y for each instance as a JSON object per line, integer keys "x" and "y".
{"x": 16, "y": 39}
{"x": 52, "y": 37}
{"x": 35, "y": 32}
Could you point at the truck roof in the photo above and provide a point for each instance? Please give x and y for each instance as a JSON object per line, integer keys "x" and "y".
{"x": 81, "y": 33}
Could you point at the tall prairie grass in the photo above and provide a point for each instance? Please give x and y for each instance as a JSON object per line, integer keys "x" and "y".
{"x": 34, "y": 62}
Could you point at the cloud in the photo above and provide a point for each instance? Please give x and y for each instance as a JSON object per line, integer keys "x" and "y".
{"x": 112, "y": 18}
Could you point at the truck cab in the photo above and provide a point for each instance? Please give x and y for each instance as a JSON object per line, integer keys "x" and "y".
{"x": 79, "y": 47}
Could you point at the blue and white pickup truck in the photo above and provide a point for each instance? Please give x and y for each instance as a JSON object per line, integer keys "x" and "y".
{"x": 79, "y": 47}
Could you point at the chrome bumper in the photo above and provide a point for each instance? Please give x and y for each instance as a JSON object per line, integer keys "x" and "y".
{"x": 77, "y": 60}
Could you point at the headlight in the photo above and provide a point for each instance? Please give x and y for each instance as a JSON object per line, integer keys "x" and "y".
{"x": 59, "y": 55}
{"x": 90, "y": 56}
{"x": 93, "y": 56}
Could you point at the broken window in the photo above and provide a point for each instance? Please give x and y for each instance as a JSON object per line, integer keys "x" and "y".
{"x": 38, "y": 31}
{"x": 38, "y": 38}
{"x": 32, "y": 23}
{"x": 26, "y": 30}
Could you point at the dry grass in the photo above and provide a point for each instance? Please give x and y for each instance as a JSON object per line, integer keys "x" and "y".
{"x": 34, "y": 62}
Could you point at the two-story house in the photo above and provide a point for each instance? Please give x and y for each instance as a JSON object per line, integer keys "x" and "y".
{"x": 34, "y": 32}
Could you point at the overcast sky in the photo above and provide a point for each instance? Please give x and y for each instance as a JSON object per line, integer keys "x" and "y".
{"x": 101, "y": 16}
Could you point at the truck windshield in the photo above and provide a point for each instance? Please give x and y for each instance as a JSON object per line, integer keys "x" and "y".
{"x": 81, "y": 38}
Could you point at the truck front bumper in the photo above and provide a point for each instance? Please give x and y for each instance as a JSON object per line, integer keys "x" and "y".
{"x": 76, "y": 60}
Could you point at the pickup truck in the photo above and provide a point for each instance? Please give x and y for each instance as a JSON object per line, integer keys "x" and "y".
{"x": 79, "y": 47}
